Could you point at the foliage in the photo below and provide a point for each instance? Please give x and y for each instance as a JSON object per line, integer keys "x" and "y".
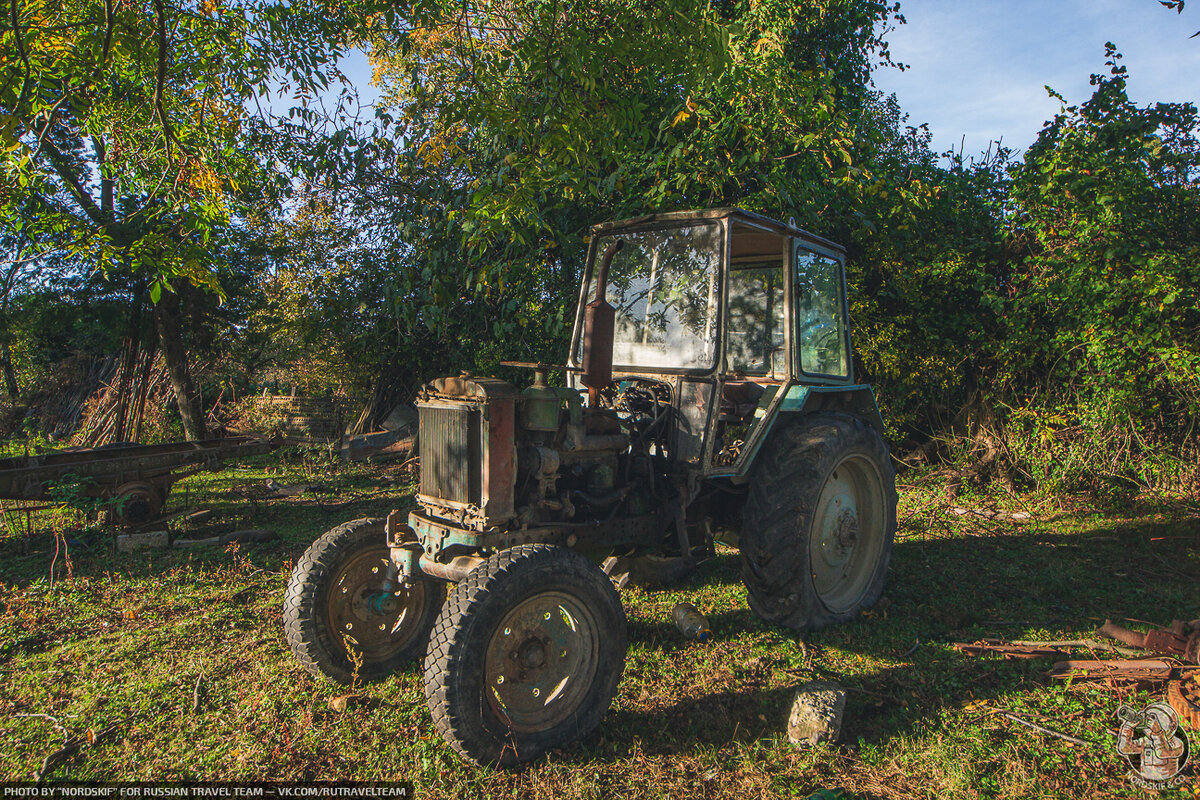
{"x": 507, "y": 129}
{"x": 130, "y": 148}
{"x": 1105, "y": 315}
{"x": 1018, "y": 308}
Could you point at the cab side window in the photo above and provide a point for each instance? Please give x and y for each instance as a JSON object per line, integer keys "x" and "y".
{"x": 755, "y": 339}
{"x": 820, "y": 314}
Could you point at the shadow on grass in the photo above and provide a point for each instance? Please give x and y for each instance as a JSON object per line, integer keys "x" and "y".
{"x": 1025, "y": 584}
{"x": 1033, "y": 583}
{"x": 93, "y": 552}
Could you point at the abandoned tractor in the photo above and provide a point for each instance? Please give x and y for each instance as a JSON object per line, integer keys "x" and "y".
{"x": 710, "y": 396}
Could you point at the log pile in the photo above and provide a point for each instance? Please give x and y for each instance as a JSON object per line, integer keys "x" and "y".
{"x": 74, "y": 382}
{"x": 116, "y": 410}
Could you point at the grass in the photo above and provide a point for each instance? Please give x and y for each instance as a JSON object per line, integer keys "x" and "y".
{"x": 176, "y": 658}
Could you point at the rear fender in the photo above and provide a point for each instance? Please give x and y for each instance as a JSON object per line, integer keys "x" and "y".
{"x": 858, "y": 400}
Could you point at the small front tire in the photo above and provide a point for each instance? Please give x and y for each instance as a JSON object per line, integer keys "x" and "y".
{"x": 526, "y": 655}
{"x": 339, "y": 622}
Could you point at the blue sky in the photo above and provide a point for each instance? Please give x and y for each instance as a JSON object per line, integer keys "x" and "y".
{"x": 978, "y": 67}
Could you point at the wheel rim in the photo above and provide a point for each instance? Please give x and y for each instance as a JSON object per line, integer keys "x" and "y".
{"x": 541, "y": 661}
{"x": 137, "y": 503}
{"x": 847, "y": 533}
{"x": 370, "y": 622}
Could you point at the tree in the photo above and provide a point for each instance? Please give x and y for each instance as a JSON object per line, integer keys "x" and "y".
{"x": 1106, "y": 321}
{"x": 125, "y": 139}
{"x": 507, "y": 129}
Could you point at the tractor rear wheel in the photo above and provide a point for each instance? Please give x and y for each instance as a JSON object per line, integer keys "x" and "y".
{"x": 341, "y": 621}
{"x": 526, "y": 655}
{"x": 819, "y": 523}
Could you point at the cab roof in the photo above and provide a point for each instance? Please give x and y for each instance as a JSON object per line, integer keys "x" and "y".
{"x": 713, "y": 215}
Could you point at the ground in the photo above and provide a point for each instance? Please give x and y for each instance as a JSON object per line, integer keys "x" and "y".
{"x": 172, "y": 664}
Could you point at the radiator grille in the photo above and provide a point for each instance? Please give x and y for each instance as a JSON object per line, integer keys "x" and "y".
{"x": 450, "y": 444}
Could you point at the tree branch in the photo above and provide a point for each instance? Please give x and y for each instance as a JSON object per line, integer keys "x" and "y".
{"x": 109, "y": 24}
{"x": 160, "y": 77}
{"x": 16, "y": 25}
{"x": 62, "y": 168}
{"x": 49, "y": 121}
{"x": 106, "y": 183}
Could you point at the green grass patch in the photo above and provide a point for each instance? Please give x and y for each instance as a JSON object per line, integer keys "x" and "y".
{"x": 177, "y": 658}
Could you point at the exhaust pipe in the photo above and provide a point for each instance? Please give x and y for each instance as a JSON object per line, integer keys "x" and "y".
{"x": 599, "y": 320}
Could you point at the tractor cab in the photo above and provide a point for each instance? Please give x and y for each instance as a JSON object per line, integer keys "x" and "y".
{"x": 731, "y": 315}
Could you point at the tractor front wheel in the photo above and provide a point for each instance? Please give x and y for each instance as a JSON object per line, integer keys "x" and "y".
{"x": 526, "y": 655}
{"x": 342, "y": 620}
{"x": 819, "y": 523}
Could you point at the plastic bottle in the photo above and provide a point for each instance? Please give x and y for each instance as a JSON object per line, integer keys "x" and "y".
{"x": 691, "y": 622}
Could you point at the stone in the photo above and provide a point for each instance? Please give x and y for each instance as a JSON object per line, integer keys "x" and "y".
{"x": 816, "y": 714}
{"x": 128, "y": 542}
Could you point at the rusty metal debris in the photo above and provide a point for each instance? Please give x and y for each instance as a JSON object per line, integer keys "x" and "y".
{"x": 1007, "y": 649}
{"x": 1149, "y": 670}
{"x": 1184, "y": 697}
{"x": 137, "y": 477}
{"x": 1181, "y": 639}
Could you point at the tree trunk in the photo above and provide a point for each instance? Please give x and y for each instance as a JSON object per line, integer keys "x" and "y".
{"x": 10, "y": 374}
{"x": 170, "y": 337}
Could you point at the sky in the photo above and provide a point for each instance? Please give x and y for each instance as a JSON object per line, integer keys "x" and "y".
{"x": 979, "y": 67}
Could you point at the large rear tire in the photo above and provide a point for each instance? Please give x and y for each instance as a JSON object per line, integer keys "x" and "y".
{"x": 526, "y": 655}
{"x": 335, "y": 612}
{"x": 820, "y": 522}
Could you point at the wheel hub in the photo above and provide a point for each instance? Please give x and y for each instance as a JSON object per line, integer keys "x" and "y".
{"x": 541, "y": 660}
{"x": 837, "y": 530}
{"x": 847, "y": 533}
{"x": 372, "y": 621}
{"x": 532, "y": 654}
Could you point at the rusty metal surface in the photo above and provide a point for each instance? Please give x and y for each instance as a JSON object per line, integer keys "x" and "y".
{"x": 1184, "y": 697}
{"x": 599, "y": 319}
{"x": 1171, "y": 641}
{"x": 1006, "y": 650}
{"x": 1150, "y": 670}
{"x": 364, "y": 617}
{"x": 541, "y": 661}
{"x": 30, "y": 477}
{"x": 467, "y": 435}
{"x": 453, "y": 570}
{"x": 646, "y": 530}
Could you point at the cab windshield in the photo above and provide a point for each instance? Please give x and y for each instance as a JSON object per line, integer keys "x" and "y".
{"x": 663, "y": 285}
